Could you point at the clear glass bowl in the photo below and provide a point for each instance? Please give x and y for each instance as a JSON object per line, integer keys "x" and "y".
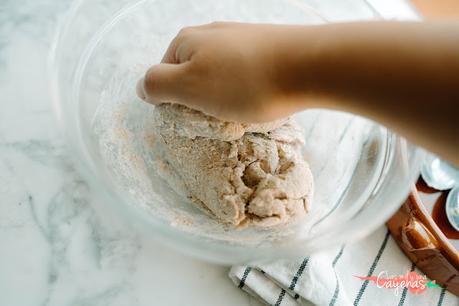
{"x": 362, "y": 171}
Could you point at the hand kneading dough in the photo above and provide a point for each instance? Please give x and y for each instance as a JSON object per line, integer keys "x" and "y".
{"x": 243, "y": 174}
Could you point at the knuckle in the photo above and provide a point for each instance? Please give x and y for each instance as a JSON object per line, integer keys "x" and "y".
{"x": 221, "y": 24}
{"x": 185, "y": 31}
{"x": 218, "y": 23}
{"x": 197, "y": 66}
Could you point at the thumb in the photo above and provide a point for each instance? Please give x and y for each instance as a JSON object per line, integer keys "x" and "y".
{"x": 162, "y": 83}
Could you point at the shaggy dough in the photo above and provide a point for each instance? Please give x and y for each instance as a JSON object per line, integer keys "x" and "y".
{"x": 190, "y": 123}
{"x": 242, "y": 174}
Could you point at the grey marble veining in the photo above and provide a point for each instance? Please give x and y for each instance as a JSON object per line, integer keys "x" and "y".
{"x": 58, "y": 244}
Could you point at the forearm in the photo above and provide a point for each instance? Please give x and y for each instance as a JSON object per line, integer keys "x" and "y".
{"x": 403, "y": 75}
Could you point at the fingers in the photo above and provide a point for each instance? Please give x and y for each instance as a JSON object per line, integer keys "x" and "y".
{"x": 170, "y": 56}
{"x": 162, "y": 83}
{"x": 180, "y": 49}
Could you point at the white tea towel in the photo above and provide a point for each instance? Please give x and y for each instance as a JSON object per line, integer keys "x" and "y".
{"x": 330, "y": 278}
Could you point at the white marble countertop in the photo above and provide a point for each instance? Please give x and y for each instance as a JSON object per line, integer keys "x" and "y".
{"x": 58, "y": 246}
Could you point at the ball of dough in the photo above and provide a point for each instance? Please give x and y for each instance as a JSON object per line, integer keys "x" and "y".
{"x": 241, "y": 174}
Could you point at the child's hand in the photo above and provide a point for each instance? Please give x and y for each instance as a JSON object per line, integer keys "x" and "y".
{"x": 402, "y": 74}
{"x": 232, "y": 71}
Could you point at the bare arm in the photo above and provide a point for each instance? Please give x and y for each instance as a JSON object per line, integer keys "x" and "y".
{"x": 403, "y": 75}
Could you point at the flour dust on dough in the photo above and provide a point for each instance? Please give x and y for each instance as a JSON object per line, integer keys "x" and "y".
{"x": 243, "y": 174}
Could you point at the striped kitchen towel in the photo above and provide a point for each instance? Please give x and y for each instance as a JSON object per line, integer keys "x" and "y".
{"x": 330, "y": 278}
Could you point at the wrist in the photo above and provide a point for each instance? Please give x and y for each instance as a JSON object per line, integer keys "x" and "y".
{"x": 298, "y": 77}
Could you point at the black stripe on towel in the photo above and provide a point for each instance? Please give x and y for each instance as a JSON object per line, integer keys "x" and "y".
{"x": 336, "y": 293}
{"x": 372, "y": 268}
{"x": 442, "y": 297}
{"x": 244, "y": 277}
{"x": 298, "y": 274}
{"x": 280, "y": 298}
{"x": 335, "y": 261}
{"x": 405, "y": 290}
